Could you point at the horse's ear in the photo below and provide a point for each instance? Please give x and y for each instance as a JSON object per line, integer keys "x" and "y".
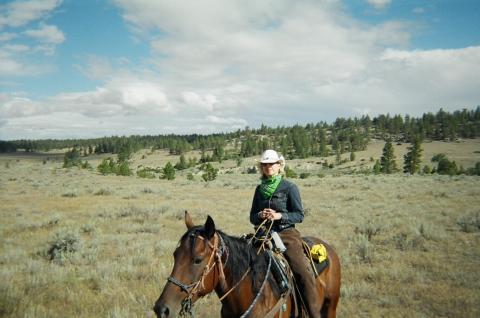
{"x": 209, "y": 227}
{"x": 188, "y": 220}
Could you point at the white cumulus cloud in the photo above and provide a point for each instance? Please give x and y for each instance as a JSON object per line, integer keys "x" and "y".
{"x": 379, "y": 4}
{"x": 218, "y": 65}
{"x": 19, "y": 13}
{"x": 46, "y": 34}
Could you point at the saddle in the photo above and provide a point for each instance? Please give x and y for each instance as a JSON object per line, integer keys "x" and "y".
{"x": 318, "y": 259}
{"x": 316, "y": 254}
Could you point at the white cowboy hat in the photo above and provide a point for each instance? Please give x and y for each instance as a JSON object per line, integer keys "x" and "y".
{"x": 271, "y": 156}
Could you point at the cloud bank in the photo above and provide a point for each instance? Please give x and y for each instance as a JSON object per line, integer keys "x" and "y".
{"x": 222, "y": 65}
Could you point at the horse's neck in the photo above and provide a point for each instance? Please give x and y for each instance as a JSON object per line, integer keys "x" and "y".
{"x": 238, "y": 258}
{"x": 240, "y": 277}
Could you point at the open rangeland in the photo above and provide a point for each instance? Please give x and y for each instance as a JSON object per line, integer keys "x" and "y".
{"x": 75, "y": 243}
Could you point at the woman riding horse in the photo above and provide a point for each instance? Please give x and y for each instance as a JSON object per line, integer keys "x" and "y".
{"x": 207, "y": 260}
{"x": 278, "y": 200}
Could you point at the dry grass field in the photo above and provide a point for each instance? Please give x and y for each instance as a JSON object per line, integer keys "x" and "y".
{"x": 409, "y": 245}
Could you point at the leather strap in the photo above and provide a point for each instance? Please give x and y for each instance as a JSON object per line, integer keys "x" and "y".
{"x": 278, "y": 305}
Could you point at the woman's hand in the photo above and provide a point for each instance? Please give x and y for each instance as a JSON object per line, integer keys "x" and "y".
{"x": 270, "y": 214}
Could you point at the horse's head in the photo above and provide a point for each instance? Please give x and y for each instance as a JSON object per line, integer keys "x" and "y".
{"x": 193, "y": 274}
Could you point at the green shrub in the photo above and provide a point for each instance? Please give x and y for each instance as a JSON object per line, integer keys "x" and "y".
{"x": 71, "y": 158}
{"x": 369, "y": 229}
{"x": 409, "y": 241}
{"x": 426, "y": 169}
{"x": 145, "y": 173}
{"x": 124, "y": 169}
{"x": 290, "y": 173}
{"x": 469, "y": 223}
{"x": 147, "y": 190}
{"x": 448, "y": 167}
{"x": 474, "y": 171}
{"x": 238, "y": 161}
{"x": 85, "y": 165}
{"x": 304, "y": 175}
{"x": 70, "y": 194}
{"x": 63, "y": 245}
{"x": 364, "y": 250}
{"x": 182, "y": 164}
{"x": 107, "y": 166}
{"x": 377, "y": 167}
{"x": 168, "y": 172}
{"x": 210, "y": 173}
{"x": 89, "y": 228}
{"x": 104, "y": 191}
{"x": 252, "y": 170}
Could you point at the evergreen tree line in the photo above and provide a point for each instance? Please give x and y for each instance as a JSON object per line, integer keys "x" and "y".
{"x": 413, "y": 159}
{"x": 343, "y": 135}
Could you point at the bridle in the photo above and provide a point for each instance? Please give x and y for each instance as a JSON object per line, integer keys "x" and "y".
{"x": 218, "y": 250}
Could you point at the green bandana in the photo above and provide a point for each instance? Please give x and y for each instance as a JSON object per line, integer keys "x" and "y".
{"x": 269, "y": 185}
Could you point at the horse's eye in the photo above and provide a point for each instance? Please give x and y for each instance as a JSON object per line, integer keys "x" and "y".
{"x": 197, "y": 261}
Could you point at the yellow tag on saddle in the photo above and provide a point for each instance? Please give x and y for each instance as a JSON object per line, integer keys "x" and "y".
{"x": 319, "y": 252}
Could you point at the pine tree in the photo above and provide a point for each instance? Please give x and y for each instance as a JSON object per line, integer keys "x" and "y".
{"x": 182, "y": 164}
{"x": 210, "y": 172}
{"x": 413, "y": 157}
{"x": 168, "y": 172}
{"x": 72, "y": 158}
{"x": 105, "y": 167}
{"x": 377, "y": 167}
{"x": 387, "y": 162}
{"x": 124, "y": 154}
{"x": 338, "y": 157}
{"x": 123, "y": 169}
{"x": 323, "y": 143}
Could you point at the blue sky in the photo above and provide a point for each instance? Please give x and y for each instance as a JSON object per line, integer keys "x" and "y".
{"x": 81, "y": 69}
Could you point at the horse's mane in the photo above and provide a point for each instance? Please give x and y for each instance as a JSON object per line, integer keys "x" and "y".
{"x": 243, "y": 255}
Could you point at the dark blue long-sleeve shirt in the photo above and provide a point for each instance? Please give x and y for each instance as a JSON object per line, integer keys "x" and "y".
{"x": 285, "y": 200}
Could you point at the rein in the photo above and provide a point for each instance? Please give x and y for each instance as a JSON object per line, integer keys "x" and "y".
{"x": 247, "y": 312}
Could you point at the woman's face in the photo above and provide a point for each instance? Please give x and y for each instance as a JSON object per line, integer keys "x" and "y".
{"x": 270, "y": 169}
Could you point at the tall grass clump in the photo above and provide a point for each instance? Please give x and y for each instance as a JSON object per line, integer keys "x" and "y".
{"x": 369, "y": 229}
{"x": 469, "y": 223}
{"x": 70, "y": 194}
{"x": 363, "y": 248}
{"x": 63, "y": 245}
{"x": 104, "y": 191}
{"x": 409, "y": 241}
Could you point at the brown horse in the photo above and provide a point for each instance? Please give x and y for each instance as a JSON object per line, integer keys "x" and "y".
{"x": 207, "y": 259}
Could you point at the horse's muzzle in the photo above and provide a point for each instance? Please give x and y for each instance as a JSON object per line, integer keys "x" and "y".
{"x": 162, "y": 311}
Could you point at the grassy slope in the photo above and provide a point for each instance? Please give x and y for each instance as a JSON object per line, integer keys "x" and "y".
{"x": 419, "y": 263}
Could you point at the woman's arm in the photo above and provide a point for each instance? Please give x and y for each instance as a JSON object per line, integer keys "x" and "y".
{"x": 294, "y": 206}
{"x": 254, "y": 217}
